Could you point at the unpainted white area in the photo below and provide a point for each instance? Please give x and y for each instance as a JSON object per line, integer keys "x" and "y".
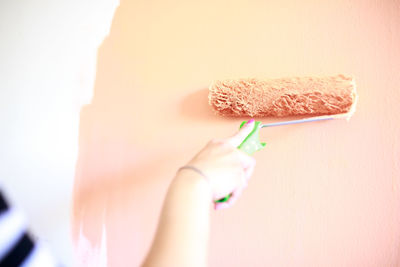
{"x": 48, "y": 53}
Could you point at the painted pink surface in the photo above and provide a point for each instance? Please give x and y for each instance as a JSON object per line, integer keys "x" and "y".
{"x": 323, "y": 194}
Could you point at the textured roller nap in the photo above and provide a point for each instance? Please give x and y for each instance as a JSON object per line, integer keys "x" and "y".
{"x": 283, "y": 97}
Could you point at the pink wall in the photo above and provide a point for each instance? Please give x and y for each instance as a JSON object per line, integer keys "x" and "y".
{"x": 323, "y": 194}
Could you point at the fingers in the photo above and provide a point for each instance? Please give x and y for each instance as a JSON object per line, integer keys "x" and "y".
{"x": 245, "y": 159}
{"x": 239, "y": 137}
{"x": 240, "y": 161}
{"x": 249, "y": 172}
{"x": 248, "y": 164}
{"x": 220, "y": 206}
{"x": 234, "y": 195}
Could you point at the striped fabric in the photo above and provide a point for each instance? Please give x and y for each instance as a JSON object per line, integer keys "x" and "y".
{"x": 17, "y": 247}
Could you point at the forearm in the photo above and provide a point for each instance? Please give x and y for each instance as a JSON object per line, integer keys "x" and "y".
{"x": 183, "y": 231}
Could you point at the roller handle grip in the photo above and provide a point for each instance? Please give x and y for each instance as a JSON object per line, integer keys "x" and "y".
{"x": 249, "y": 145}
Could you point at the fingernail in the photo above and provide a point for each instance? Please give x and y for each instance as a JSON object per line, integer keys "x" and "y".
{"x": 250, "y": 121}
{"x": 217, "y": 207}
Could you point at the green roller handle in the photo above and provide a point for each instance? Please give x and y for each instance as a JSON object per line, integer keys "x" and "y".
{"x": 249, "y": 145}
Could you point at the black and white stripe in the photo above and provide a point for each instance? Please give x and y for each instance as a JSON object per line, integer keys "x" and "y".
{"x": 17, "y": 247}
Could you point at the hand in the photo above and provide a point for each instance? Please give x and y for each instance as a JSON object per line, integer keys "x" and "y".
{"x": 227, "y": 168}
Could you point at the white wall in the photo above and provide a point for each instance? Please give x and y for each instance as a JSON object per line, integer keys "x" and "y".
{"x": 48, "y": 53}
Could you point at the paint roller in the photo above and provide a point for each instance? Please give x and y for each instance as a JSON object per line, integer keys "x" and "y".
{"x": 318, "y": 98}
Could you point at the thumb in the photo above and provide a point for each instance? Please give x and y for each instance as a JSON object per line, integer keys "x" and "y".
{"x": 239, "y": 137}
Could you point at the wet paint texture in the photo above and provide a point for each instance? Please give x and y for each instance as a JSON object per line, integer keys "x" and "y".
{"x": 323, "y": 194}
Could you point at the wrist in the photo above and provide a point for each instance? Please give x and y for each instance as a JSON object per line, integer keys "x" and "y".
{"x": 195, "y": 180}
